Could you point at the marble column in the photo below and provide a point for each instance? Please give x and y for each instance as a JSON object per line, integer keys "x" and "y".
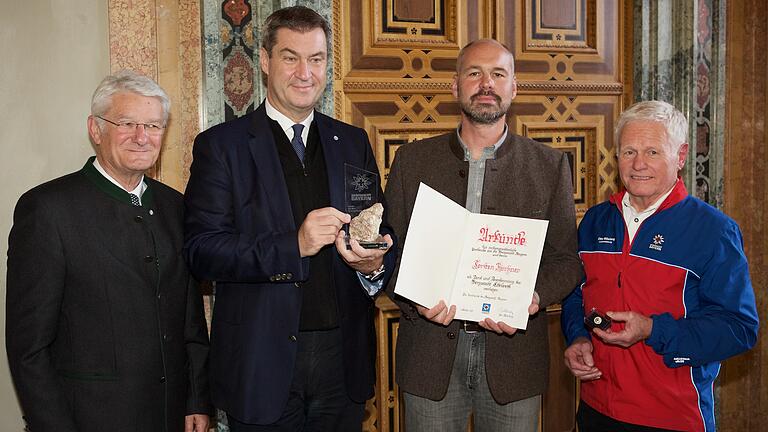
{"x": 679, "y": 58}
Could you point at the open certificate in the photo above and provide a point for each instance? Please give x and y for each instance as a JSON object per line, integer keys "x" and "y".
{"x": 486, "y": 265}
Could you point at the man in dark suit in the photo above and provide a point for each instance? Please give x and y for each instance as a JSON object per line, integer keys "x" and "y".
{"x": 293, "y": 344}
{"x": 104, "y": 324}
{"x": 447, "y": 368}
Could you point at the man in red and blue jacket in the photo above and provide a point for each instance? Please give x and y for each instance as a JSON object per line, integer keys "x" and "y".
{"x": 670, "y": 274}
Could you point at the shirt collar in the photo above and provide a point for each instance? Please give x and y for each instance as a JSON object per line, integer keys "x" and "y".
{"x": 650, "y": 210}
{"x": 138, "y": 190}
{"x": 286, "y": 124}
{"x": 488, "y": 152}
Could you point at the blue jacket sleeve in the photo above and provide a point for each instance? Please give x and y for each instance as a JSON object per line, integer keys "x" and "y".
{"x": 572, "y": 317}
{"x": 726, "y": 322}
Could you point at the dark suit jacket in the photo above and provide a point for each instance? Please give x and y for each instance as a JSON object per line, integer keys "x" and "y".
{"x": 526, "y": 179}
{"x": 104, "y": 324}
{"x": 240, "y": 232}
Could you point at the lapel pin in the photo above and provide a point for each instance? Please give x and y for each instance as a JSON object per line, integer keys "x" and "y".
{"x": 335, "y": 137}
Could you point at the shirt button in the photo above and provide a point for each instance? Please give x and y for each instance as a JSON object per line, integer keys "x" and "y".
{"x": 637, "y": 220}
{"x": 148, "y": 259}
{"x": 162, "y": 379}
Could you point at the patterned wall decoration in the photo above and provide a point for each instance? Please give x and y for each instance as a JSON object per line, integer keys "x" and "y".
{"x": 679, "y": 58}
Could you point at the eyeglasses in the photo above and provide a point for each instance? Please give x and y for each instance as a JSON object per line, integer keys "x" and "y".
{"x": 131, "y": 127}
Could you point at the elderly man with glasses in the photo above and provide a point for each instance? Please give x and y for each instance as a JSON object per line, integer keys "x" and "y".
{"x": 104, "y": 324}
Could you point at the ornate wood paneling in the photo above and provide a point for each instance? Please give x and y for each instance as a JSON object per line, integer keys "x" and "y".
{"x": 743, "y": 392}
{"x": 394, "y": 63}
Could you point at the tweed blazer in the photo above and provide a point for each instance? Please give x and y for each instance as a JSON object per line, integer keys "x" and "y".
{"x": 104, "y": 324}
{"x": 526, "y": 179}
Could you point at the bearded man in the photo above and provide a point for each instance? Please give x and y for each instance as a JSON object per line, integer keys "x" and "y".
{"x": 450, "y": 368}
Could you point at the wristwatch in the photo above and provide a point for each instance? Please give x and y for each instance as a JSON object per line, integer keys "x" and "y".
{"x": 375, "y": 275}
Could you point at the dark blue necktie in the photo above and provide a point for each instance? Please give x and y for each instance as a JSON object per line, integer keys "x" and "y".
{"x": 297, "y": 142}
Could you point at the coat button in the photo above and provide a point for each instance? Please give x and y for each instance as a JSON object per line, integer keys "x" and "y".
{"x": 451, "y": 335}
{"x": 289, "y": 275}
{"x": 138, "y": 219}
{"x": 296, "y": 284}
{"x": 462, "y": 174}
{"x": 272, "y": 278}
{"x": 148, "y": 259}
{"x": 162, "y": 379}
{"x": 292, "y": 338}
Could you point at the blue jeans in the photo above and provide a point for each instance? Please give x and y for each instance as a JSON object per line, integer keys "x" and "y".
{"x": 318, "y": 399}
{"x": 467, "y": 393}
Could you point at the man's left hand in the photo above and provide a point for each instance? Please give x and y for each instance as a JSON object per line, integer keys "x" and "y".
{"x": 637, "y": 327}
{"x": 363, "y": 260}
{"x": 502, "y": 328}
{"x": 196, "y": 423}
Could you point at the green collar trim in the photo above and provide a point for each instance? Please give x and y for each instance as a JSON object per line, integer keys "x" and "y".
{"x": 109, "y": 188}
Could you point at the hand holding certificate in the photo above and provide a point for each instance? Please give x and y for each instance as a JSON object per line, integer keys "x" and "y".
{"x": 485, "y": 265}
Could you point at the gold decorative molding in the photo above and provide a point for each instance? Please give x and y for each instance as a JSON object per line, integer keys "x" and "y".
{"x": 569, "y": 87}
{"x": 389, "y": 86}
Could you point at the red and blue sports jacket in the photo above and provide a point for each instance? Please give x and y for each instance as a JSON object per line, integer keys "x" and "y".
{"x": 686, "y": 269}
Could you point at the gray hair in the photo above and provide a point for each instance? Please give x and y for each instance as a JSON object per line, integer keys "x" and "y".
{"x": 127, "y": 81}
{"x": 674, "y": 121}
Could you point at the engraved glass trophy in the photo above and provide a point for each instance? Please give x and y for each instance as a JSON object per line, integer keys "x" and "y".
{"x": 361, "y": 189}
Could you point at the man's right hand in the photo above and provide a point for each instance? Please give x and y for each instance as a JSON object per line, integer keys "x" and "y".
{"x": 319, "y": 229}
{"x": 578, "y": 358}
{"x": 440, "y": 313}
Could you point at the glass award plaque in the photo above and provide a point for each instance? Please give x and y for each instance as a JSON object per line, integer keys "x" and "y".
{"x": 361, "y": 189}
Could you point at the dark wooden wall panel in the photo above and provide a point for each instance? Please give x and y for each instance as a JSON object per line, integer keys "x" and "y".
{"x": 743, "y": 395}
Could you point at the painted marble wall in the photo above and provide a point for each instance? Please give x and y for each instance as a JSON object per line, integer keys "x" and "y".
{"x": 680, "y": 58}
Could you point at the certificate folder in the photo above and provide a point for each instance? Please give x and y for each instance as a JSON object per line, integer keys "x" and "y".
{"x": 486, "y": 265}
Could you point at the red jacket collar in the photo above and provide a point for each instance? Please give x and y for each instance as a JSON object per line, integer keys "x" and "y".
{"x": 679, "y": 193}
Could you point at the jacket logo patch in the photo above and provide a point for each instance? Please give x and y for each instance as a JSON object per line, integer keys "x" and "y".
{"x": 606, "y": 240}
{"x": 658, "y": 240}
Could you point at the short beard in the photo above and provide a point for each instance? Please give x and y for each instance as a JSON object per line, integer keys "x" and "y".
{"x": 482, "y": 116}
